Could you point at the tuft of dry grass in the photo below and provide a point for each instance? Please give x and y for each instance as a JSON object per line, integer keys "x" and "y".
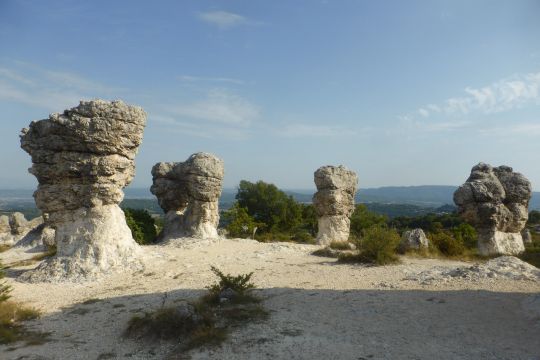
{"x": 11, "y": 329}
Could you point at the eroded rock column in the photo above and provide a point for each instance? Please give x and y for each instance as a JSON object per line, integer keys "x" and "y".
{"x": 334, "y": 202}
{"x": 83, "y": 158}
{"x": 495, "y": 201}
{"x": 189, "y": 192}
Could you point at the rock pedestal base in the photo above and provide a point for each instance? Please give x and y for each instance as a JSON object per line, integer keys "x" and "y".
{"x": 499, "y": 243}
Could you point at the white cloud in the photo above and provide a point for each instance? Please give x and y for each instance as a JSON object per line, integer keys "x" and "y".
{"x": 503, "y": 95}
{"x": 223, "y": 19}
{"x": 309, "y": 130}
{"x": 525, "y": 129}
{"x": 220, "y": 106}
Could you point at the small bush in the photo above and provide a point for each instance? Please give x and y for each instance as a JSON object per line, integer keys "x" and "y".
{"x": 4, "y": 288}
{"x": 142, "y": 225}
{"x": 378, "y": 245}
{"x": 447, "y": 244}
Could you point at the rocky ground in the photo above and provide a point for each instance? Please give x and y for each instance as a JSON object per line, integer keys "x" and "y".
{"x": 420, "y": 309}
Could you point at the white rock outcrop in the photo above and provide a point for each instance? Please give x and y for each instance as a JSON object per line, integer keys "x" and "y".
{"x": 413, "y": 240}
{"x": 188, "y": 192}
{"x": 83, "y": 158}
{"x": 334, "y": 202}
{"x": 495, "y": 201}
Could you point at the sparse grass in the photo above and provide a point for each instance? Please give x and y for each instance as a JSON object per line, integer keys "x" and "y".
{"x": 325, "y": 252}
{"x": 206, "y": 321}
{"x": 340, "y": 245}
{"x": 4, "y": 247}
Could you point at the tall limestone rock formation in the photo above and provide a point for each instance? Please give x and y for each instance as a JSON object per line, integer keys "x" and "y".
{"x": 334, "y": 202}
{"x": 189, "y": 192}
{"x": 495, "y": 201}
{"x": 83, "y": 158}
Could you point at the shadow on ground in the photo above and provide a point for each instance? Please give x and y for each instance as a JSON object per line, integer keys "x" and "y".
{"x": 313, "y": 324}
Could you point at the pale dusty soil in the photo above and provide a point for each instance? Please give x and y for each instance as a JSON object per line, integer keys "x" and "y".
{"x": 319, "y": 309}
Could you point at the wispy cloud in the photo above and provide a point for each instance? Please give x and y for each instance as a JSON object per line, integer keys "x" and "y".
{"x": 525, "y": 129}
{"x": 503, "y": 95}
{"x": 220, "y": 106}
{"x": 221, "y": 114}
{"x": 52, "y": 90}
{"x": 223, "y": 19}
{"x": 203, "y": 79}
{"x": 311, "y": 130}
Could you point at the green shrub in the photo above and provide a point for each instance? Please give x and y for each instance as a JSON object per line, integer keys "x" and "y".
{"x": 240, "y": 284}
{"x": 303, "y": 236}
{"x": 446, "y": 243}
{"x": 239, "y": 223}
{"x": 378, "y": 245}
{"x": 142, "y": 225}
{"x": 466, "y": 234}
{"x": 362, "y": 219}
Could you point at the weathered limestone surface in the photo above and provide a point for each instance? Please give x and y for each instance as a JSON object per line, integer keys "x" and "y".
{"x": 495, "y": 200}
{"x": 413, "y": 240}
{"x": 189, "y": 192}
{"x": 334, "y": 202}
{"x": 83, "y": 158}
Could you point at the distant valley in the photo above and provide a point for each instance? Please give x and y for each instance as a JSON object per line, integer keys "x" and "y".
{"x": 391, "y": 201}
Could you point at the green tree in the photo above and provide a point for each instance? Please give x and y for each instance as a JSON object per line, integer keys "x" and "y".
{"x": 266, "y": 204}
{"x": 362, "y": 219}
{"x": 142, "y": 225}
{"x": 238, "y": 223}
{"x": 534, "y": 218}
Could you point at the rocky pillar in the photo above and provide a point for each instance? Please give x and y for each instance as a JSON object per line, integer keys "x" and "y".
{"x": 188, "y": 192}
{"x": 334, "y": 202}
{"x": 83, "y": 158}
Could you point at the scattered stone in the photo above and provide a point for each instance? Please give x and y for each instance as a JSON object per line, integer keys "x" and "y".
{"x": 526, "y": 235}
{"x": 504, "y": 267}
{"x": 413, "y": 240}
{"x": 83, "y": 158}
{"x": 495, "y": 201}
{"x": 334, "y": 202}
{"x": 188, "y": 192}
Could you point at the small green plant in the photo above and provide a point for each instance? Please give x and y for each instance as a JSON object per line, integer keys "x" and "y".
{"x": 142, "y": 225}
{"x": 378, "y": 245}
{"x": 239, "y": 284}
{"x": 447, "y": 244}
{"x": 4, "y": 288}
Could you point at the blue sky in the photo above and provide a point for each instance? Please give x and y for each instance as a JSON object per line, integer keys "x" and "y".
{"x": 403, "y": 93}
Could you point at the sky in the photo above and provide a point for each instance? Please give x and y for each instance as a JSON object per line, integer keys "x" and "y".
{"x": 402, "y": 93}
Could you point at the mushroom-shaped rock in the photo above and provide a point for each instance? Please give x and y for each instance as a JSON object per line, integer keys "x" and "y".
{"x": 82, "y": 159}
{"x": 495, "y": 201}
{"x": 334, "y": 202}
{"x": 188, "y": 192}
{"x": 413, "y": 240}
